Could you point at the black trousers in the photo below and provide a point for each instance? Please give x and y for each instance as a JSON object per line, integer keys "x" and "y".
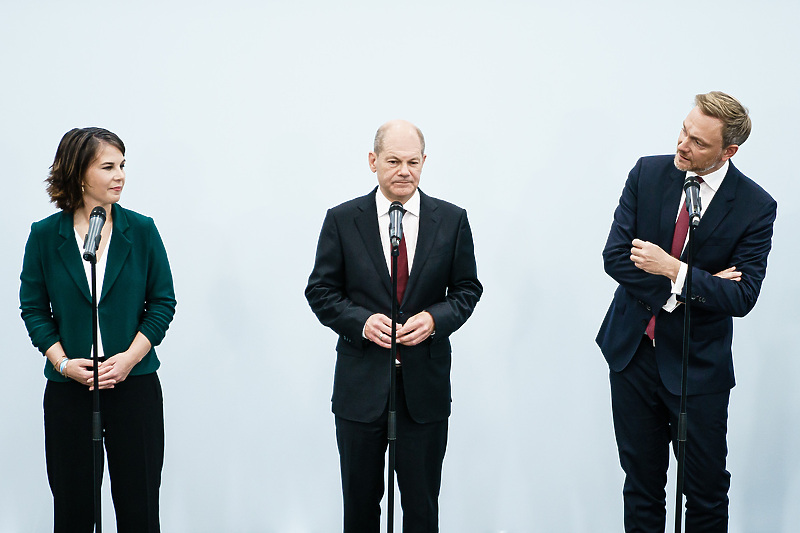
{"x": 420, "y": 450}
{"x": 133, "y": 433}
{"x": 645, "y": 421}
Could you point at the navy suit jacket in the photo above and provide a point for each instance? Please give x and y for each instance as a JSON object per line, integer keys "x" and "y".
{"x": 351, "y": 281}
{"x": 735, "y": 230}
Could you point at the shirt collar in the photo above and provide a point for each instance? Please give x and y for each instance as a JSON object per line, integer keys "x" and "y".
{"x": 382, "y": 203}
{"x": 713, "y": 180}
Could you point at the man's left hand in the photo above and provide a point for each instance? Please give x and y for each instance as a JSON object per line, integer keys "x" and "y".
{"x": 416, "y": 329}
{"x": 654, "y": 260}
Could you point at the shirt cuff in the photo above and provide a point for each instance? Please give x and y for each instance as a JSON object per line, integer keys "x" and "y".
{"x": 677, "y": 288}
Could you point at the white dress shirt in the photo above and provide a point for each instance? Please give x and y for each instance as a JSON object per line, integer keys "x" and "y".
{"x": 410, "y": 226}
{"x": 709, "y": 187}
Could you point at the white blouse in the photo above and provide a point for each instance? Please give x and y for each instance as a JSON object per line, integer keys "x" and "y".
{"x": 101, "y": 273}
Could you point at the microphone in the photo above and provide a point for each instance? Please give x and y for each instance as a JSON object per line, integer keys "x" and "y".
{"x": 692, "y": 188}
{"x": 90, "y": 245}
{"x": 396, "y": 212}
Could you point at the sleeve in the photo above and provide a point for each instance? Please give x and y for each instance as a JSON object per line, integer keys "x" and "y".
{"x": 737, "y": 298}
{"x": 326, "y": 289}
{"x": 647, "y": 288}
{"x": 160, "y": 294}
{"x": 34, "y": 298}
{"x": 463, "y": 290}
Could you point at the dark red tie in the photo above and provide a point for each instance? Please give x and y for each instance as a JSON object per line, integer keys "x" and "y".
{"x": 402, "y": 270}
{"x": 678, "y": 240}
{"x": 402, "y": 278}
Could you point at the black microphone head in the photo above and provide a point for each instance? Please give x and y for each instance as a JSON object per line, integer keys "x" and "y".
{"x": 396, "y": 212}
{"x": 97, "y": 220}
{"x": 98, "y": 212}
{"x": 691, "y": 181}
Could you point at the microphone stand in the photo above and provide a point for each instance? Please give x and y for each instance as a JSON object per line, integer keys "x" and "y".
{"x": 97, "y": 426}
{"x": 683, "y": 419}
{"x": 392, "y": 428}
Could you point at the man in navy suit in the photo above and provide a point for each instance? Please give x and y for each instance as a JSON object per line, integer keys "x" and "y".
{"x": 349, "y": 290}
{"x": 642, "y": 334}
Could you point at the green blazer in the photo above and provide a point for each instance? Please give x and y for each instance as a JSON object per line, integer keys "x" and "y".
{"x": 137, "y": 293}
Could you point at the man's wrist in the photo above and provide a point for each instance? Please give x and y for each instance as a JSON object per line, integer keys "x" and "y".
{"x": 679, "y": 279}
{"x": 433, "y": 323}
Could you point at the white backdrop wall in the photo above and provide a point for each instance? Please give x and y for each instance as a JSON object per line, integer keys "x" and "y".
{"x": 245, "y": 121}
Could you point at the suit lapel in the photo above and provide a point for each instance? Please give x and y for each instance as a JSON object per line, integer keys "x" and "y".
{"x": 72, "y": 260}
{"x": 118, "y": 249}
{"x": 673, "y": 187}
{"x": 719, "y": 208}
{"x": 428, "y": 227}
{"x": 366, "y": 221}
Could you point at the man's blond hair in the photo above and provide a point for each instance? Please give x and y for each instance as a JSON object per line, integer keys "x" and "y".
{"x": 734, "y": 116}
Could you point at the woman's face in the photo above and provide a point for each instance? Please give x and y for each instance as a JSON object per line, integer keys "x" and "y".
{"x": 105, "y": 177}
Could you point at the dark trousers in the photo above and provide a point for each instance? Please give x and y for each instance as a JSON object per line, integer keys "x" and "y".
{"x": 645, "y": 421}
{"x": 133, "y": 433}
{"x": 419, "y": 455}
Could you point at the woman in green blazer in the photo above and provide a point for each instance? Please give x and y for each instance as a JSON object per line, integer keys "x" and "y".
{"x": 136, "y": 303}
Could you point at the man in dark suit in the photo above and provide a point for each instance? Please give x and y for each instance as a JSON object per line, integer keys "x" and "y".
{"x": 349, "y": 290}
{"x": 642, "y": 334}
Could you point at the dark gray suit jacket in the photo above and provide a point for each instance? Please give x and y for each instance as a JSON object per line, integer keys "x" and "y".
{"x": 350, "y": 282}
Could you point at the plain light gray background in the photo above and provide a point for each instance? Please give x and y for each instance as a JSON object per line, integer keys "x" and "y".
{"x": 245, "y": 121}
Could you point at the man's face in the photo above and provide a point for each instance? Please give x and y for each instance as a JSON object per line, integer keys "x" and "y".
{"x": 399, "y": 163}
{"x": 700, "y": 144}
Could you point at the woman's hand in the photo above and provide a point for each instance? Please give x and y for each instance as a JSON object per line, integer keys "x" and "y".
{"x": 115, "y": 369}
{"x": 82, "y": 371}
{"x": 110, "y": 372}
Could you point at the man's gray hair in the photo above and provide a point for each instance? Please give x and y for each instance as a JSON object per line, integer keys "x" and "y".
{"x": 377, "y": 146}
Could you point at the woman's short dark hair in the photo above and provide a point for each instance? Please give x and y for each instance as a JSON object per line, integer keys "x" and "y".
{"x": 76, "y": 151}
